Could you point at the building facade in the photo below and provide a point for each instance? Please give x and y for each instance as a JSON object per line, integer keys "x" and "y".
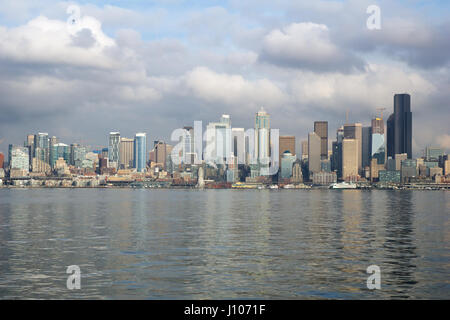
{"x": 140, "y": 151}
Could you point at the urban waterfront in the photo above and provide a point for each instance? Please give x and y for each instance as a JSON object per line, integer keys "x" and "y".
{"x": 224, "y": 244}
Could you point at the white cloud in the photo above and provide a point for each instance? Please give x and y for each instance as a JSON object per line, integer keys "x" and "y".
{"x": 306, "y": 45}
{"x": 232, "y": 89}
{"x": 45, "y": 41}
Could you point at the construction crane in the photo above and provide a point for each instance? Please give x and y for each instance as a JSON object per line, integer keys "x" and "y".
{"x": 381, "y": 111}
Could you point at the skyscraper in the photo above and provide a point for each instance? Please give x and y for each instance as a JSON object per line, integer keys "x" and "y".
{"x": 321, "y": 129}
{"x": 218, "y": 141}
{"x": 162, "y": 152}
{"x": 354, "y": 131}
{"x": 350, "y": 159}
{"x": 188, "y": 145}
{"x": 77, "y": 154}
{"x": 314, "y": 150}
{"x": 140, "y": 151}
{"x": 378, "y": 141}
{"x": 238, "y": 135}
{"x": 19, "y": 158}
{"x": 287, "y": 160}
{"x": 390, "y": 136}
{"x": 286, "y": 143}
{"x": 113, "y": 149}
{"x": 41, "y": 147}
{"x": 262, "y": 136}
{"x": 59, "y": 150}
{"x": 336, "y": 160}
{"x": 366, "y": 146}
{"x": 399, "y": 127}
{"x": 126, "y": 153}
{"x": 304, "y": 149}
{"x": 225, "y": 118}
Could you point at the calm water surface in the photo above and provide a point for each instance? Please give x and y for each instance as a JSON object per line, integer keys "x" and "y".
{"x": 224, "y": 244}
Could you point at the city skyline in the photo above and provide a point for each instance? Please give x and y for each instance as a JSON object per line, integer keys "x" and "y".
{"x": 328, "y": 139}
{"x": 138, "y": 69}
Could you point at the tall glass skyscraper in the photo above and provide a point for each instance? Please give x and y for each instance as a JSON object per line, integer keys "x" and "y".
{"x": 378, "y": 141}
{"x": 114, "y": 148}
{"x": 140, "y": 151}
{"x": 399, "y": 127}
{"x": 59, "y": 150}
{"x": 41, "y": 147}
{"x": 262, "y": 129}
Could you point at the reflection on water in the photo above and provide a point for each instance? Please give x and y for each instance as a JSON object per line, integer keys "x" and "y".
{"x": 219, "y": 244}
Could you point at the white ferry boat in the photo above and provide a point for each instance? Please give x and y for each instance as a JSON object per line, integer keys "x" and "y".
{"x": 343, "y": 185}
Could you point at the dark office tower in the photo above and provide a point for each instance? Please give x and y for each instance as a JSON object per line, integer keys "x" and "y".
{"x": 402, "y": 124}
{"x": 366, "y": 146}
{"x": 321, "y": 129}
{"x": 390, "y": 133}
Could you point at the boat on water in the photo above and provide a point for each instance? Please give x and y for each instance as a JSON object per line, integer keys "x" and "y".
{"x": 273, "y": 186}
{"x": 343, "y": 185}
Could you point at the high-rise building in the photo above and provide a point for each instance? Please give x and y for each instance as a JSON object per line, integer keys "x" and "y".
{"x": 447, "y": 167}
{"x": 398, "y": 160}
{"x": 239, "y": 147}
{"x": 366, "y": 146}
{"x": 114, "y": 149}
{"x": 286, "y": 143}
{"x": 42, "y": 147}
{"x": 336, "y": 159}
{"x": 59, "y": 150}
{"x": 218, "y": 141}
{"x": 30, "y": 144}
{"x": 378, "y": 145}
{"x": 287, "y": 161}
{"x": 2, "y": 160}
{"x": 321, "y": 129}
{"x": 225, "y": 118}
{"x": 354, "y": 131}
{"x": 350, "y": 158}
{"x": 126, "y": 153}
{"x": 399, "y": 127}
{"x": 433, "y": 153}
{"x": 297, "y": 175}
{"x": 314, "y": 150}
{"x": 188, "y": 144}
{"x": 77, "y": 155}
{"x": 140, "y": 151}
{"x": 304, "y": 149}
{"x": 30, "y": 141}
{"x": 262, "y": 135}
{"x": 390, "y": 137}
{"x": 162, "y": 153}
{"x": 19, "y": 158}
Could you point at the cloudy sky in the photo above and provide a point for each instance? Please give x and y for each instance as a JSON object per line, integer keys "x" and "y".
{"x": 154, "y": 66}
